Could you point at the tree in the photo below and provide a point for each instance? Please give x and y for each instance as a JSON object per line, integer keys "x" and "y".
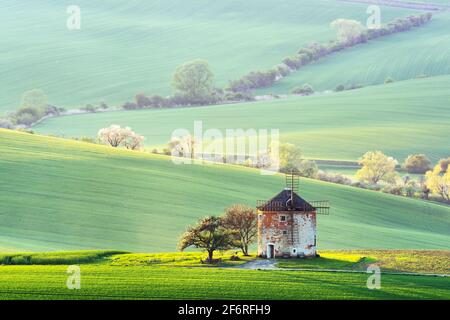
{"x": 305, "y": 90}
{"x": 208, "y": 234}
{"x": 444, "y": 164}
{"x": 348, "y": 31}
{"x": 34, "y": 99}
{"x": 194, "y": 79}
{"x": 308, "y": 169}
{"x": 116, "y": 136}
{"x": 290, "y": 157}
{"x": 182, "y": 146}
{"x": 142, "y": 100}
{"x": 438, "y": 182}
{"x": 417, "y": 163}
{"x": 389, "y": 80}
{"x": 133, "y": 141}
{"x": 6, "y": 124}
{"x": 242, "y": 220}
{"x": 376, "y": 167}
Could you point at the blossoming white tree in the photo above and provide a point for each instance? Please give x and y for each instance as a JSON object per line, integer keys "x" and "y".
{"x": 117, "y": 136}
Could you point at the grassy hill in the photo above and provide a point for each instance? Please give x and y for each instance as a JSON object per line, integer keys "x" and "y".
{"x": 423, "y": 51}
{"x": 62, "y": 194}
{"x": 125, "y": 47}
{"x": 400, "y": 119}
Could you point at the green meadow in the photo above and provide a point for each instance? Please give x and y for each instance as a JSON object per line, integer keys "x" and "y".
{"x": 127, "y": 47}
{"x": 59, "y": 194}
{"x": 399, "y": 119}
{"x": 106, "y": 282}
{"x": 174, "y": 276}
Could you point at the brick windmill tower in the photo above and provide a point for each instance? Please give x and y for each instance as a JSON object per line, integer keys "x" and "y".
{"x": 287, "y": 223}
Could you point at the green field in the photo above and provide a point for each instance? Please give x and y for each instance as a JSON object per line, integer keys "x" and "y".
{"x": 107, "y": 279}
{"x": 399, "y": 119}
{"x": 407, "y": 55}
{"x": 127, "y": 47}
{"x": 106, "y": 282}
{"x": 60, "y": 194}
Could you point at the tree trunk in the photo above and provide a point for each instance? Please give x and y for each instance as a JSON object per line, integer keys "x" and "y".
{"x": 210, "y": 256}
{"x": 245, "y": 250}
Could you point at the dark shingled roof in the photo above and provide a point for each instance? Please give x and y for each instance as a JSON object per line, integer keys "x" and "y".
{"x": 281, "y": 202}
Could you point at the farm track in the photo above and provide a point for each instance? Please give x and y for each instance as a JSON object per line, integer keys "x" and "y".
{"x": 271, "y": 265}
{"x": 405, "y": 4}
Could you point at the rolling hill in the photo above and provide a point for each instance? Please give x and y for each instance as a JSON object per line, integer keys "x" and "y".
{"x": 399, "y": 119}
{"x": 422, "y": 51}
{"x": 60, "y": 194}
{"x": 125, "y": 47}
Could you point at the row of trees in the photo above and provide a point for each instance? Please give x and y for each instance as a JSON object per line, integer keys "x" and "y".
{"x": 193, "y": 83}
{"x": 378, "y": 172}
{"x": 378, "y": 168}
{"x": 34, "y": 106}
{"x": 349, "y": 33}
{"x": 235, "y": 229}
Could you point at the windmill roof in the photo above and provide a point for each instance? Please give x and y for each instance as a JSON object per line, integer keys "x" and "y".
{"x": 280, "y": 203}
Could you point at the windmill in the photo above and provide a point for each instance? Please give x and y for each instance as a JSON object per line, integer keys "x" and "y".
{"x": 287, "y": 222}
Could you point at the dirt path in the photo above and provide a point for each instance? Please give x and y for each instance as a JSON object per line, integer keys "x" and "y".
{"x": 269, "y": 264}
{"x": 405, "y": 4}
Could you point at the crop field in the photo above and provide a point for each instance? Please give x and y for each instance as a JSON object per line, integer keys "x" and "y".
{"x": 106, "y": 282}
{"x": 407, "y": 55}
{"x": 124, "y": 48}
{"x": 399, "y": 119}
{"x": 410, "y": 261}
{"x": 106, "y": 279}
{"x": 60, "y": 194}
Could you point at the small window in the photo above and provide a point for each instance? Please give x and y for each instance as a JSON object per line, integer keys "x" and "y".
{"x": 282, "y": 218}
{"x": 294, "y": 250}
{"x": 285, "y": 232}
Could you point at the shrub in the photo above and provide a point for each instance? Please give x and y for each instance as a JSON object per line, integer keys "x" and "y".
{"x": 27, "y": 115}
{"x": 283, "y": 70}
{"x": 308, "y": 169}
{"x": 89, "y": 108}
{"x": 6, "y": 124}
{"x": 305, "y": 90}
{"x": 130, "y": 106}
{"x": 417, "y": 163}
{"x": 157, "y": 101}
{"x": 393, "y": 189}
{"x": 142, "y": 100}
{"x": 50, "y": 110}
{"x": 340, "y": 88}
{"x": 444, "y": 163}
{"x": 239, "y": 96}
{"x": 293, "y": 62}
{"x": 335, "y": 178}
{"x": 389, "y": 80}
{"x": 87, "y": 139}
